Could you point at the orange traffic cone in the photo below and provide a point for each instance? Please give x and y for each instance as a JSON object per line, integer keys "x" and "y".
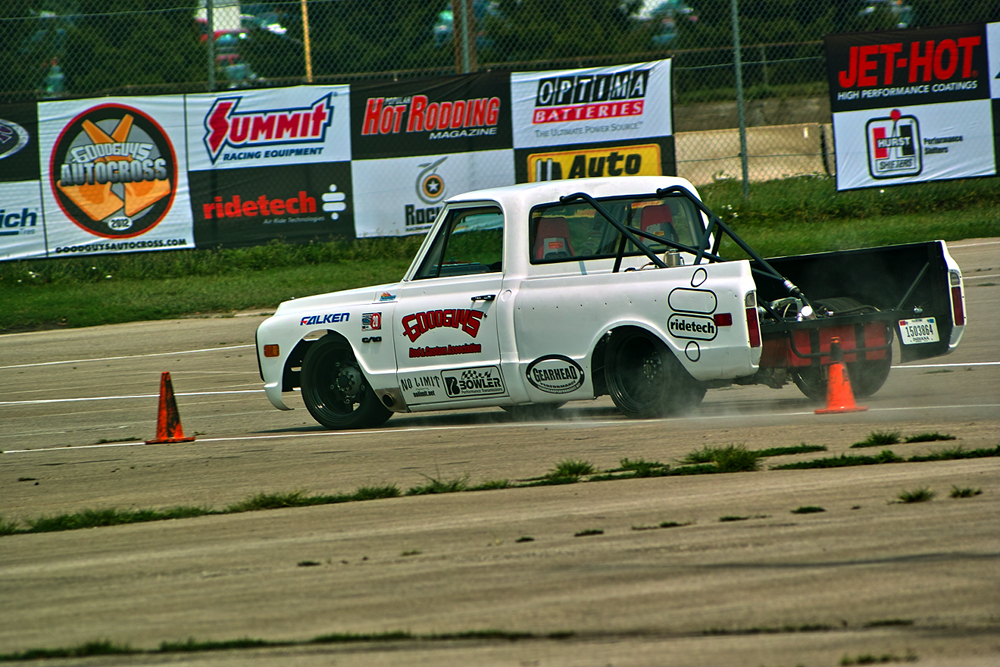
{"x": 168, "y": 423}
{"x": 839, "y": 397}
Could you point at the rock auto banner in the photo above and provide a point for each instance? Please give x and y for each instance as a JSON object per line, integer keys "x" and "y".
{"x": 913, "y": 105}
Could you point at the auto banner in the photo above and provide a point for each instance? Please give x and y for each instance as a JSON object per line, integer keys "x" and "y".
{"x": 912, "y": 105}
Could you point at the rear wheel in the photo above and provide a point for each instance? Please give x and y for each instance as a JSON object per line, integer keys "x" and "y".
{"x": 867, "y": 376}
{"x": 335, "y": 390}
{"x": 644, "y": 378}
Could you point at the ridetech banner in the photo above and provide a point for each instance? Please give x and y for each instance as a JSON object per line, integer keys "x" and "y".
{"x": 914, "y": 105}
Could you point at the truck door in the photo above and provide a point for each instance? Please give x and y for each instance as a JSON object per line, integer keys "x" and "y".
{"x": 447, "y": 347}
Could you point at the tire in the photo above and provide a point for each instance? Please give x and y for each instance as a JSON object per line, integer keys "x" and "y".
{"x": 335, "y": 389}
{"x": 644, "y": 378}
{"x": 532, "y": 411}
{"x": 866, "y": 377}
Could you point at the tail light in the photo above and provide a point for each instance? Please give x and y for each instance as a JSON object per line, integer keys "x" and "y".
{"x": 753, "y": 323}
{"x": 957, "y": 303}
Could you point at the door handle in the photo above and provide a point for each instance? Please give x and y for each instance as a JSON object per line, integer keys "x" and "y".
{"x": 484, "y": 297}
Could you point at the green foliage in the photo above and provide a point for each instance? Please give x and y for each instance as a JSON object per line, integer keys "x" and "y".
{"x": 8, "y": 527}
{"x": 571, "y": 469}
{"x": 731, "y": 458}
{"x": 964, "y": 492}
{"x": 794, "y": 449}
{"x": 808, "y": 509}
{"x": 929, "y": 437}
{"x": 917, "y": 496}
{"x": 434, "y": 485}
{"x": 841, "y": 461}
{"x": 109, "y": 517}
{"x": 879, "y": 439}
{"x": 377, "y": 492}
{"x": 269, "y": 501}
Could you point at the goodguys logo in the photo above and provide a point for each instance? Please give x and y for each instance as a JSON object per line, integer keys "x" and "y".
{"x": 114, "y": 171}
{"x": 555, "y": 374}
{"x": 417, "y": 324}
{"x": 246, "y": 131}
{"x": 590, "y": 96}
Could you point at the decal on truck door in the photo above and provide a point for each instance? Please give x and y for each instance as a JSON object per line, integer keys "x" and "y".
{"x": 555, "y": 374}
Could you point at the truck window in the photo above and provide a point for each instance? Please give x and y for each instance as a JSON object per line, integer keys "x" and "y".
{"x": 470, "y": 241}
{"x": 576, "y": 231}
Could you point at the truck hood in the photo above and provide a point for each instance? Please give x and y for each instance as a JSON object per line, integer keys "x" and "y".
{"x": 361, "y": 296}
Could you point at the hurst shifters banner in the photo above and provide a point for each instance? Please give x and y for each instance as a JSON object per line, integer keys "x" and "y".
{"x": 244, "y": 167}
{"x": 915, "y": 105}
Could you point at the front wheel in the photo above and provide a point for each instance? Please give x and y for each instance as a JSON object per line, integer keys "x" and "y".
{"x": 645, "y": 379}
{"x": 335, "y": 390}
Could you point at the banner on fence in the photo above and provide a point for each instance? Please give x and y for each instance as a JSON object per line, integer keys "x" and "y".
{"x": 243, "y": 167}
{"x": 914, "y": 105}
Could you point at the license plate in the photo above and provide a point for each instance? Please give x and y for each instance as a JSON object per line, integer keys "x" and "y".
{"x": 915, "y": 332}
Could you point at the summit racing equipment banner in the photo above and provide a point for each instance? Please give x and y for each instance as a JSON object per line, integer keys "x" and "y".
{"x": 431, "y": 116}
{"x": 113, "y": 175}
{"x": 268, "y": 128}
{"x": 911, "y": 105}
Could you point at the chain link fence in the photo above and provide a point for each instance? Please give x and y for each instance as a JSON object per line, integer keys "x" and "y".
{"x": 52, "y": 49}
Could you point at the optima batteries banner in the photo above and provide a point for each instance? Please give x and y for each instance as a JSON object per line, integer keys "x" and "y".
{"x": 602, "y": 121}
{"x": 114, "y": 176}
{"x": 912, "y": 105}
{"x": 269, "y": 164}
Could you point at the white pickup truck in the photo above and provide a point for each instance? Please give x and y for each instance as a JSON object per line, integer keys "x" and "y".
{"x": 529, "y": 296}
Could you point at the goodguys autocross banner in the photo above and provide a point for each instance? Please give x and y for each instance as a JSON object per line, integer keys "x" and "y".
{"x": 915, "y": 105}
{"x": 243, "y": 167}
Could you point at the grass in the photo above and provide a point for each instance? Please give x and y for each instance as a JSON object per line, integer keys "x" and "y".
{"x": 921, "y": 495}
{"x": 106, "y": 289}
{"x": 731, "y": 458}
{"x": 736, "y": 458}
{"x": 808, "y": 509}
{"x": 929, "y": 437}
{"x": 965, "y": 492}
{"x": 879, "y": 439}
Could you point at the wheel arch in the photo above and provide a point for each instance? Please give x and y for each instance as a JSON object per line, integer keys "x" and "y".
{"x": 291, "y": 376}
{"x": 600, "y": 348}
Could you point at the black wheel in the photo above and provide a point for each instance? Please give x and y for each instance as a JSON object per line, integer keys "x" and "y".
{"x": 644, "y": 378}
{"x": 532, "y": 411}
{"x": 866, "y": 376}
{"x": 335, "y": 390}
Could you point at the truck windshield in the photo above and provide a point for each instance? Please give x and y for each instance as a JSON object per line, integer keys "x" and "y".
{"x": 576, "y": 231}
{"x": 470, "y": 241}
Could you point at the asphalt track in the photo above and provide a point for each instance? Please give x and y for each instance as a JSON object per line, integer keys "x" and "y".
{"x": 868, "y": 576}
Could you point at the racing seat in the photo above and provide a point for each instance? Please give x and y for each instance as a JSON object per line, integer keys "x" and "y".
{"x": 552, "y": 239}
{"x": 658, "y": 220}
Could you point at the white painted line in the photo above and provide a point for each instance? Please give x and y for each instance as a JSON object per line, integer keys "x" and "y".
{"x": 568, "y": 425}
{"x": 133, "y": 356}
{"x": 992, "y": 275}
{"x": 971, "y": 363}
{"x": 114, "y": 398}
{"x": 974, "y": 245}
